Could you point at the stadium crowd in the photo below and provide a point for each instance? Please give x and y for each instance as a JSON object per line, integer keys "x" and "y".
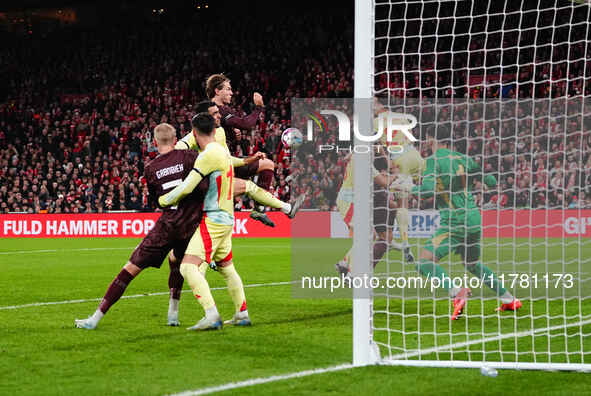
{"x": 78, "y": 109}
{"x": 75, "y": 124}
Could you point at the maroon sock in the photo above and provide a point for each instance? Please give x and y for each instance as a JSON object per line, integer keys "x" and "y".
{"x": 115, "y": 290}
{"x": 379, "y": 248}
{"x": 175, "y": 279}
{"x": 265, "y": 179}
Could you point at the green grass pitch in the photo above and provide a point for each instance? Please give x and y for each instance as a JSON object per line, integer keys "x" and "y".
{"x": 133, "y": 351}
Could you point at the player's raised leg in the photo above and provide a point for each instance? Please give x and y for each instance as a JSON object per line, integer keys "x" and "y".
{"x": 266, "y": 198}
{"x": 265, "y": 173}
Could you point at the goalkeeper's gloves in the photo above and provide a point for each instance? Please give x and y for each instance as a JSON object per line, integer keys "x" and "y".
{"x": 402, "y": 183}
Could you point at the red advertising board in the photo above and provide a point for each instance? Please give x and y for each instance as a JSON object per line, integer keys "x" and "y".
{"x": 117, "y": 225}
{"x": 537, "y": 223}
{"x": 311, "y": 225}
{"x": 496, "y": 223}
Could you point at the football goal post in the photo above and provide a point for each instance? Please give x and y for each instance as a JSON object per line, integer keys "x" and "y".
{"x": 501, "y": 91}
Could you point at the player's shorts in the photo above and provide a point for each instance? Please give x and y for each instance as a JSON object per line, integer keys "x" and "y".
{"x": 154, "y": 248}
{"x": 246, "y": 171}
{"x": 409, "y": 161}
{"x": 465, "y": 241}
{"x": 211, "y": 242}
{"x": 383, "y": 217}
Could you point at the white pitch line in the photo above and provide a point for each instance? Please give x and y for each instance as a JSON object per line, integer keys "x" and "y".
{"x": 65, "y": 250}
{"x": 41, "y": 304}
{"x": 394, "y": 360}
{"x": 263, "y": 380}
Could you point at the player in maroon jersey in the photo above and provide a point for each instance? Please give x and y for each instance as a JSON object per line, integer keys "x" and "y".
{"x": 219, "y": 91}
{"x": 172, "y": 231}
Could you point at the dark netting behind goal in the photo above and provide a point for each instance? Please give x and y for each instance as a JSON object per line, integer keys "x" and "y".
{"x": 505, "y": 85}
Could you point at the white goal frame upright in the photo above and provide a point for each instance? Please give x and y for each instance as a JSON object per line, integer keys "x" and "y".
{"x": 363, "y": 89}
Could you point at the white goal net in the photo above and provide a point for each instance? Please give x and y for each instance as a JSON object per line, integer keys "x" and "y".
{"x": 501, "y": 92}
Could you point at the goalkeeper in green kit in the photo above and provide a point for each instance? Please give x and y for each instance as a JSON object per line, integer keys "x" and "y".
{"x": 448, "y": 178}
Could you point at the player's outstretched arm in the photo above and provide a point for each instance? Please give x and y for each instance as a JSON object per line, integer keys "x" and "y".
{"x": 247, "y": 122}
{"x": 250, "y": 120}
{"x": 238, "y": 162}
{"x": 182, "y": 190}
{"x": 188, "y": 142}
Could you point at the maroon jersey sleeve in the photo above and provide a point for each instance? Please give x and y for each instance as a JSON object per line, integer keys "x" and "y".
{"x": 230, "y": 121}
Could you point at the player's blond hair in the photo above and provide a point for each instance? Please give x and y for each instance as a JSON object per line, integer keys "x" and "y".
{"x": 164, "y": 134}
{"x": 213, "y": 82}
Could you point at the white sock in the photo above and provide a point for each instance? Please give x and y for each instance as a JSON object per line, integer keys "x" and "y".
{"x": 507, "y": 298}
{"x": 243, "y": 314}
{"x": 212, "y": 313}
{"x": 286, "y": 208}
{"x": 97, "y": 316}
{"x": 173, "y": 305}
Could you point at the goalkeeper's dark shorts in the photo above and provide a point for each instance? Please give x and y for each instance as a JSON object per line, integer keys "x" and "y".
{"x": 247, "y": 171}
{"x": 161, "y": 239}
{"x": 383, "y": 217}
{"x": 465, "y": 241}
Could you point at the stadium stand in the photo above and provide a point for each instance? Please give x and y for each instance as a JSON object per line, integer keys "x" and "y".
{"x": 77, "y": 109}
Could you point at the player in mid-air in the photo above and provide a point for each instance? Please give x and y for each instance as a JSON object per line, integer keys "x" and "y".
{"x": 172, "y": 230}
{"x": 219, "y": 91}
{"x": 189, "y": 142}
{"x": 448, "y": 178}
{"x": 212, "y": 242}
